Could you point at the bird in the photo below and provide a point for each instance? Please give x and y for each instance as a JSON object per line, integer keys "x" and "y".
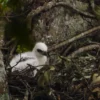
{"x": 37, "y": 58}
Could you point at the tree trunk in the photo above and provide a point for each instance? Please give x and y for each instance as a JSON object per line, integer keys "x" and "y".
{"x": 3, "y": 81}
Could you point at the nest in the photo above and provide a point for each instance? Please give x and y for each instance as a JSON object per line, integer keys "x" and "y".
{"x": 59, "y": 84}
{"x": 20, "y": 81}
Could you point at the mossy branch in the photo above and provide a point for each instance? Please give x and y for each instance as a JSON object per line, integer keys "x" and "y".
{"x": 84, "y": 49}
{"x": 81, "y": 35}
{"x": 51, "y": 5}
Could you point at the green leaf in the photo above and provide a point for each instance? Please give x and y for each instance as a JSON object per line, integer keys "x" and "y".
{"x": 41, "y": 81}
{"x": 97, "y": 11}
{"x": 47, "y": 76}
{"x": 52, "y": 68}
{"x": 44, "y": 79}
{"x": 3, "y": 7}
{"x": 95, "y": 8}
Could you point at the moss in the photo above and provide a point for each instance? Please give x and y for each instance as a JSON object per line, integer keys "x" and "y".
{"x": 4, "y": 96}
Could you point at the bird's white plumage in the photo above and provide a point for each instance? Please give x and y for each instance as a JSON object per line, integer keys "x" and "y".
{"x": 33, "y": 58}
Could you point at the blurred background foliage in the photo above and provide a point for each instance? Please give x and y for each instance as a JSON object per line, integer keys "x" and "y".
{"x": 95, "y": 5}
{"x": 3, "y": 7}
{"x": 14, "y": 11}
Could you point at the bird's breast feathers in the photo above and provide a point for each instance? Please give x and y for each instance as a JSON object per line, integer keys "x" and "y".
{"x": 20, "y": 62}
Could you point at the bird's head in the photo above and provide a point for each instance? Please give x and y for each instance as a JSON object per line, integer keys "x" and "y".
{"x": 40, "y": 49}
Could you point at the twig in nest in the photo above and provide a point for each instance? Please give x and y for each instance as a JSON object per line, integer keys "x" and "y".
{"x": 66, "y": 51}
{"x": 84, "y": 34}
{"x": 26, "y": 95}
{"x": 84, "y": 49}
{"x": 16, "y": 63}
{"x": 20, "y": 60}
{"x": 33, "y": 67}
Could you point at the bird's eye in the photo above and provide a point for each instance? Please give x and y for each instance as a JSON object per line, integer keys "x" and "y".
{"x": 39, "y": 50}
{"x": 42, "y": 52}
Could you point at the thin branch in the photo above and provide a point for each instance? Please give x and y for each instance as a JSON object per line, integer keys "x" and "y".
{"x": 41, "y": 9}
{"x": 86, "y": 14}
{"x": 84, "y": 49}
{"x": 66, "y": 51}
{"x": 26, "y": 95}
{"x": 9, "y": 42}
{"x": 51, "y": 5}
{"x": 16, "y": 15}
{"x": 37, "y": 11}
{"x": 81, "y": 35}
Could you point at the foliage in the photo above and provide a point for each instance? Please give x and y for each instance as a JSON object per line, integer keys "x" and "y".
{"x": 3, "y": 7}
{"x": 97, "y": 11}
{"x": 21, "y": 49}
{"x": 16, "y": 5}
{"x": 95, "y": 8}
{"x": 4, "y": 96}
{"x": 17, "y": 26}
{"x": 11, "y": 5}
{"x": 69, "y": 77}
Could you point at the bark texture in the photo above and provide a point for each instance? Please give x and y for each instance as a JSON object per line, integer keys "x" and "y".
{"x": 3, "y": 81}
{"x": 67, "y": 19}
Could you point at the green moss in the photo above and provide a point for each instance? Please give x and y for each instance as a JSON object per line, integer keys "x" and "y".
{"x": 4, "y": 96}
{"x": 21, "y": 49}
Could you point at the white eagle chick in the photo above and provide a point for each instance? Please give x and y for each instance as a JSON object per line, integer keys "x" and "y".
{"x": 36, "y": 57}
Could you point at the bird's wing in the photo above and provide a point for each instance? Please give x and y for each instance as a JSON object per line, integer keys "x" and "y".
{"x": 24, "y": 64}
{"x": 21, "y": 61}
{"x": 21, "y": 57}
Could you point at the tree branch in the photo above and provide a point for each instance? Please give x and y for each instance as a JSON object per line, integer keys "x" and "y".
{"x": 86, "y": 14}
{"x": 84, "y": 34}
{"x": 40, "y": 9}
{"x": 52, "y": 4}
{"x": 84, "y": 49}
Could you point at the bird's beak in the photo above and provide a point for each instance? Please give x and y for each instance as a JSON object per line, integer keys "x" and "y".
{"x": 44, "y": 53}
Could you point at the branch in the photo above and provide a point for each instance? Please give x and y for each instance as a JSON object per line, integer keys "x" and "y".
{"x": 84, "y": 49}
{"x": 86, "y": 14}
{"x": 84, "y": 34}
{"x": 51, "y": 5}
{"x": 66, "y": 51}
{"x": 40, "y": 9}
